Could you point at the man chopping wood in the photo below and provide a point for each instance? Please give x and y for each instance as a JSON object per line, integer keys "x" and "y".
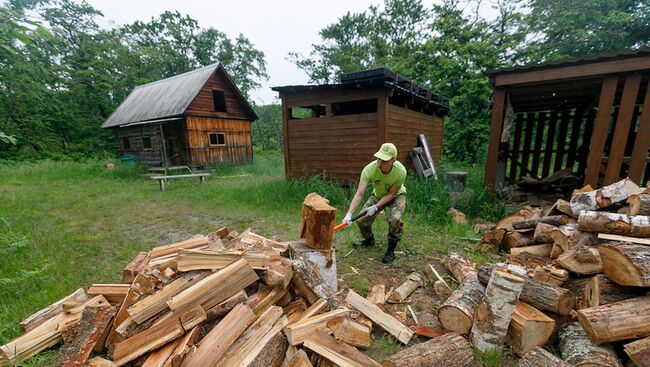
{"x": 387, "y": 176}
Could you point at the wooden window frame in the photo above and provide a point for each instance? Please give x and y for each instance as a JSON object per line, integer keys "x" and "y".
{"x": 150, "y": 142}
{"x": 217, "y": 134}
{"x": 222, "y": 94}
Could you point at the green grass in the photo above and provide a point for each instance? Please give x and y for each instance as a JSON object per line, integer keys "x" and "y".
{"x": 494, "y": 358}
{"x": 68, "y": 224}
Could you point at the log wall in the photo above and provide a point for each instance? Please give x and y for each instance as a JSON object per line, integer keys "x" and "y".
{"x": 148, "y": 157}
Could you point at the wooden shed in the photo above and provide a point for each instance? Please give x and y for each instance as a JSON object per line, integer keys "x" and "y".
{"x": 199, "y": 118}
{"x": 334, "y": 129}
{"x": 590, "y": 116}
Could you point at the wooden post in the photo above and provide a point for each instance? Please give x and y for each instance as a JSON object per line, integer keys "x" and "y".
{"x": 498, "y": 112}
{"x": 286, "y": 116}
{"x": 642, "y": 141}
{"x": 597, "y": 147}
{"x": 162, "y": 144}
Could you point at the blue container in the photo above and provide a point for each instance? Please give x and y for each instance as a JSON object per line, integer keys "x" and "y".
{"x": 127, "y": 160}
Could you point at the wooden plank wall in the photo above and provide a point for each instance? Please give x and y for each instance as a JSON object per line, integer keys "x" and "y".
{"x": 203, "y": 103}
{"x": 238, "y": 147}
{"x": 149, "y": 157}
{"x": 403, "y": 127}
{"x": 339, "y": 146}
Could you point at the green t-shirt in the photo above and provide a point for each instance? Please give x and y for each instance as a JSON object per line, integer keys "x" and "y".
{"x": 381, "y": 183}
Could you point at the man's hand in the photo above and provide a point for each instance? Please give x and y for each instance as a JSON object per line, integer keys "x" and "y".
{"x": 371, "y": 210}
{"x": 347, "y": 219}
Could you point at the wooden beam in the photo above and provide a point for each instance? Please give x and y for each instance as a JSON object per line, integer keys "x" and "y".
{"x": 642, "y": 141}
{"x": 515, "y": 146}
{"x": 574, "y": 71}
{"x": 623, "y": 123}
{"x": 539, "y": 136}
{"x": 601, "y": 128}
{"x": 285, "y": 137}
{"x": 550, "y": 139}
{"x": 377, "y": 315}
{"x": 498, "y": 112}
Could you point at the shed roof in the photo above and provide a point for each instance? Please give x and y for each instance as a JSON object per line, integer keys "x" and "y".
{"x": 165, "y": 98}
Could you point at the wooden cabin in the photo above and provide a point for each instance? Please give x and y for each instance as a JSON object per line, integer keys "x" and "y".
{"x": 334, "y": 129}
{"x": 197, "y": 119}
{"x": 590, "y": 116}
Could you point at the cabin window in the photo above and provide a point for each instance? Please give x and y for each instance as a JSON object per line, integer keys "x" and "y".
{"x": 126, "y": 145}
{"x": 217, "y": 138}
{"x": 219, "y": 100}
{"x": 146, "y": 142}
{"x": 354, "y": 107}
{"x": 301, "y": 113}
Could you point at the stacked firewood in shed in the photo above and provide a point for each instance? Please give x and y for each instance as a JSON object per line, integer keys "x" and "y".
{"x": 576, "y": 276}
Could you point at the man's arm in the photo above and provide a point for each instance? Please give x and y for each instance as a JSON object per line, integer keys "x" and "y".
{"x": 357, "y": 197}
{"x": 390, "y": 195}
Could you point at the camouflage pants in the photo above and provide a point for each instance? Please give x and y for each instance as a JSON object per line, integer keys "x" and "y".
{"x": 394, "y": 210}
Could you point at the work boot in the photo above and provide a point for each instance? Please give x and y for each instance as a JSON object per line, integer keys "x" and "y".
{"x": 367, "y": 242}
{"x": 390, "y": 252}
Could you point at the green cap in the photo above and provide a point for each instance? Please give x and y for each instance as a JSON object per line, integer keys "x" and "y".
{"x": 386, "y": 152}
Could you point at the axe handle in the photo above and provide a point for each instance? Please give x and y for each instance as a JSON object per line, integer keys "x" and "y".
{"x": 354, "y": 219}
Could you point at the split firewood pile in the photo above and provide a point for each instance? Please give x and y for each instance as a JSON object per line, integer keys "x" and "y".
{"x": 576, "y": 278}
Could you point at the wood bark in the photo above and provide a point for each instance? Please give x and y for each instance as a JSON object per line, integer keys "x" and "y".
{"x": 449, "y": 350}
{"x": 88, "y": 332}
{"x": 340, "y": 353}
{"x": 602, "y": 291}
{"x": 561, "y": 206}
{"x": 579, "y": 351}
{"x": 605, "y": 196}
{"x": 457, "y": 312}
{"x": 539, "y": 250}
{"x": 542, "y": 233}
{"x": 528, "y": 329}
{"x": 628, "y": 319}
{"x": 581, "y": 260}
{"x": 272, "y": 354}
{"x": 614, "y": 223}
{"x": 542, "y": 296}
{"x": 378, "y": 316}
{"x": 460, "y": 267}
{"x": 530, "y": 223}
{"x": 568, "y": 237}
{"x": 639, "y": 352}
{"x": 413, "y": 281}
{"x": 317, "y": 222}
{"x": 639, "y": 204}
{"x": 514, "y": 239}
{"x": 494, "y": 312}
{"x": 52, "y": 310}
{"x": 539, "y": 357}
{"x": 626, "y": 264}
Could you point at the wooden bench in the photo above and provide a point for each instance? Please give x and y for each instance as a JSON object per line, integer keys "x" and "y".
{"x": 161, "y": 179}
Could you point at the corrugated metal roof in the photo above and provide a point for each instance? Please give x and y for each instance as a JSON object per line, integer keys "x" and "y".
{"x": 160, "y": 99}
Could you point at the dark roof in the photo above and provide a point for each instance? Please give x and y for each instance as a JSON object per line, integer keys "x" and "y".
{"x": 596, "y": 58}
{"x": 375, "y": 78}
{"x": 166, "y": 98}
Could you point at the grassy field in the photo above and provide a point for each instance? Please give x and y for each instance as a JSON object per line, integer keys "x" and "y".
{"x": 65, "y": 225}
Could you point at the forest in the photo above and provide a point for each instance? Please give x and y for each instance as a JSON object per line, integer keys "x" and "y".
{"x": 62, "y": 75}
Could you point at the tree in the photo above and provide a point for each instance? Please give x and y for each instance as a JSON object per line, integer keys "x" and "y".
{"x": 267, "y": 129}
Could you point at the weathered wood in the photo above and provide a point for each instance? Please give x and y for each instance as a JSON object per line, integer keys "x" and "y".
{"x": 350, "y": 331}
{"x": 639, "y": 204}
{"x": 449, "y": 350}
{"x": 317, "y": 222}
{"x": 568, "y": 237}
{"x": 615, "y": 237}
{"x": 602, "y": 291}
{"x": 272, "y": 354}
{"x": 340, "y": 353}
{"x": 191, "y": 259}
{"x": 581, "y": 260}
{"x": 297, "y": 332}
{"x": 374, "y": 313}
{"x": 215, "y": 344}
{"x": 413, "y": 281}
{"x": 639, "y": 352}
{"x": 539, "y": 357}
{"x": 578, "y": 350}
{"x": 551, "y": 275}
{"x": 460, "y": 267}
{"x": 543, "y": 249}
{"x": 494, "y": 312}
{"x": 530, "y": 223}
{"x": 457, "y": 312}
{"x": 528, "y": 329}
{"x": 515, "y": 239}
{"x": 52, "y": 310}
{"x": 88, "y": 332}
{"x": 628, "y": 319}
{"x": 196, "y": 242}
{"x": 542, "y": 296}
{"x": 626, "y": 264}
{"x": 614, "y": 223}
{"x": 542, "y": 233}
{"x": 138, "y": 264}
{"x": 216, "y": 287}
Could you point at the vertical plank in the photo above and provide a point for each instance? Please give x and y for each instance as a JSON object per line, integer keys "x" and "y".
{"x": 498, "y": 111}
{"x": 561, "y": 141}
{"x": 597, "y": 146}
{"x": 642, "y": 141}
{"x": 550, "y": 139}
{"x": 539, "y": 136}
{"x": 575, "y": 136}
{"x": 285, "y": 130}
{"x": 623, "y": 122}
{"x": 514, "y": 156}
{"x": 586, "y": 138}
{"x": 525, "y": 155}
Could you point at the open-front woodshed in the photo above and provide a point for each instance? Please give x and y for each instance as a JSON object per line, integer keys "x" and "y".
{"x": 334, "y": 129}
{"x": 590, "y": 116}
{"x": 199, "y": 118}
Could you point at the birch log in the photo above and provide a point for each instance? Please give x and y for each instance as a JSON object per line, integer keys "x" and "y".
{"x": 605, "y": 196}
{"x": 494, "y": 312}
{"x": 579, "y": 351}
{"x": 568, "y": 237}
{"x": 626, "y": 263}
{"x": 614, "y": 223}
{"x": 460, "y": 267}
{"x": 457, "y": 312}
{"x": 542, "y": 233}
{"x": 639, "y": 204}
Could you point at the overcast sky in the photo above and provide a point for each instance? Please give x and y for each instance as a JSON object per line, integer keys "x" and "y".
{"x": 274, "y": 27}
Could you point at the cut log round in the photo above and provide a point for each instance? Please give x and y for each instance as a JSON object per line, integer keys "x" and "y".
{"x": 626, "y": 264}
{"x": 614, "y": 223}
{"x": 494, "y": 312}
{"x": 528, "y": 329}
{"x": 457, "y": 312}
{"x": 542, "y": 296}
{"x": 460, "y": 267}
{"x": 491, "y": 240}
{"x": 579, "y": 351}
{"x": 449, "y": 350}
{"x": 569, "y": 236}
{"x": 517, "y": 239}
{"x": 543, "y": 249}
{"x": 605, "y": 196}
{"x": 581, "y": 260}
{"x": 542, "y": 233}
{"x": 539, "y": 357}
{"x": 602, "y": 291}
{"x": 639, "y": 204}
{"x": 629, "y": 319}
{"x": 317, "y": 223}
